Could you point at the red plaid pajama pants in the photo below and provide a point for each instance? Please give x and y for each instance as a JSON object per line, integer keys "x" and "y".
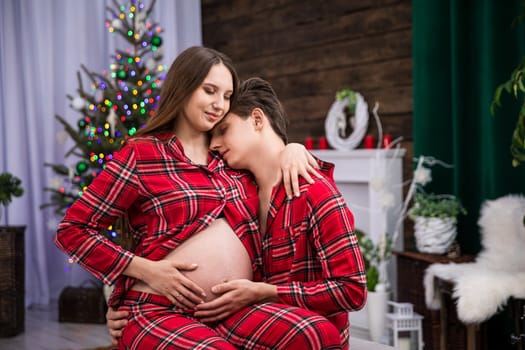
{"x": 156, "y": 324}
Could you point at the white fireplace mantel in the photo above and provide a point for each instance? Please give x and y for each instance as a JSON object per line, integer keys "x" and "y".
{"x": 357, "y": 173}
{"x": 363, "y": 176}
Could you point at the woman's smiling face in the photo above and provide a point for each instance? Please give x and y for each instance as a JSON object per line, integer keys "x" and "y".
{"x": 210, "y": 101}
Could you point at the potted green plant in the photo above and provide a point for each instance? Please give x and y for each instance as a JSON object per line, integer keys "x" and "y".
{"x": 12, "y": 256}
{"x": 10, "y": 186}
{"x": 376, "y": 257}
{"x": 435, "y": 218}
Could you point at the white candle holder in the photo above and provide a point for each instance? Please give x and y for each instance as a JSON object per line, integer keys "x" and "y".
{"x": 403, "y": 319}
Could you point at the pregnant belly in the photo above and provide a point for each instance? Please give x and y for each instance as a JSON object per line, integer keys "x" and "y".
{"x": 219, "y": 254}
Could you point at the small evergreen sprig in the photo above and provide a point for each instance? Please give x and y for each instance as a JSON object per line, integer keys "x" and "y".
{"x": 10, "y": 186}
{"x": 352, "y": 98}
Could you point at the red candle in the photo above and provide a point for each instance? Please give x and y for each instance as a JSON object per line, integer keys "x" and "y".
{"x": 387, "y": 141}
{"x": 323, "y": 143}
{"x": 369, "y": 142}
{"x": 309, "y": 143}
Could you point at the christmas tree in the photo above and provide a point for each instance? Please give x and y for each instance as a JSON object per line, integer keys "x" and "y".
{"x": 119, "y": 103}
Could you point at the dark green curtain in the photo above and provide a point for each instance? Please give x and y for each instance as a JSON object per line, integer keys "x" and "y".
{"x": 462, "y": 50}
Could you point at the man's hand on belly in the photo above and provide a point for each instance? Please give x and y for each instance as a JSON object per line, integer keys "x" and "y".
{"x": 234, "y": 295}
{"x": 116, "y": 321}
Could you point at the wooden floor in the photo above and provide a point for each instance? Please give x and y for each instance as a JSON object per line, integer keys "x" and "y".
{"x": 44, "y": 332}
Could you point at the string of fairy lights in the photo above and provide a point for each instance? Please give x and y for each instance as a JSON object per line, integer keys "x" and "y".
{"x": 120, "y": 101}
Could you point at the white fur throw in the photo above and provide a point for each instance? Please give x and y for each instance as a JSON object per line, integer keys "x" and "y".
{"x": 484, "y": 286}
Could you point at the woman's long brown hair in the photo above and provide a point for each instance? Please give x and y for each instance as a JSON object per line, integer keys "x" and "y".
{"x": 185, "y": 75}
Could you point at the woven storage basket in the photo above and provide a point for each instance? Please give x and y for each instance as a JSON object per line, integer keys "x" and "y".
{"x": 12, "y": 280}
{"x": 82, "y": 304}
{"x": 434, "y": 235}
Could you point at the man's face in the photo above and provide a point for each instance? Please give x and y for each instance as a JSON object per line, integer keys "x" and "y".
{"x": 233, "y": 138}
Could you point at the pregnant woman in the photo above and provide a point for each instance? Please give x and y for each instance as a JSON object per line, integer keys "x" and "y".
{"x": 177, "y": 196}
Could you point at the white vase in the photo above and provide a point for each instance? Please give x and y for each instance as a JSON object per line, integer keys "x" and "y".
{"x": 434, "y": 235}
{"x": 377, "y": 306}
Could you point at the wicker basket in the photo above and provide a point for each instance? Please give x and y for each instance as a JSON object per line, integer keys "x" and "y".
{"x": 82, "y": 304}
{"x": 12, "y": 280}
{"x": 434, "y": 235}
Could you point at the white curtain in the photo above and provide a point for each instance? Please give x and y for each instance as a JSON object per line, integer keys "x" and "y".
{"x": 42, "y": 44}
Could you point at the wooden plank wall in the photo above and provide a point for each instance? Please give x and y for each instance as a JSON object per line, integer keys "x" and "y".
{"x": 310, "y": 49}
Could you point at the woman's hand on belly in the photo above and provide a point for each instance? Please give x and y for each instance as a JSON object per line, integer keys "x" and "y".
{"x": 166, "y": 277}
{"x": 234, "y": 295}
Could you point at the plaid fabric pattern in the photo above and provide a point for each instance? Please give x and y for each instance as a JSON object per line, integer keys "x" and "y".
{"x": 155, "y": 323}
{"x": 168, "y": 199}
{"x": 272, "y": 326}
{"x": 311, "y": 252}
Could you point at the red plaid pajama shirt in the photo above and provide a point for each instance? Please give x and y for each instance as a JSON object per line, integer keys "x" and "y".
{"x": 168, "y": 199}
{"x": 310, "y": 251}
